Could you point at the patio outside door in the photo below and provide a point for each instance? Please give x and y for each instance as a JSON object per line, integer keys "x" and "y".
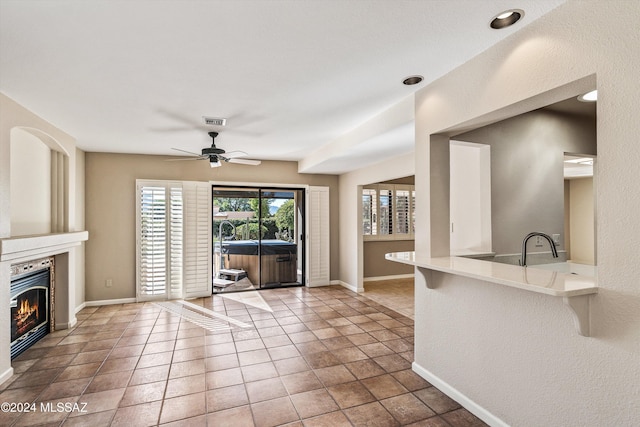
{"x": 257, "y": 238}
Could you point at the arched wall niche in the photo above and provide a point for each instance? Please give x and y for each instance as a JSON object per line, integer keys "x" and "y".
{"x": 39, "y": 173}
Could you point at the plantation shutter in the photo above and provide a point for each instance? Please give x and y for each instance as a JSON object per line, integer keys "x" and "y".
{"x": 318, "y": 237}
{"x": 402, "y": 210}
{"x": 159, "y": 243}
{"x": 197, "y": 239}
{"x": 386, "y": 210}
{"x": 369, "y": 211}
{"x": 176, "y": 233}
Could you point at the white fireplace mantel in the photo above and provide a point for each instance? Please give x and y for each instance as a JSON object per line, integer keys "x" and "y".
{"x": 25, "y": 248}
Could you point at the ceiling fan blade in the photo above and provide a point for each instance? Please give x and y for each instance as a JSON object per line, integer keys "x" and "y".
{"x": 244, "y": 161}
{"x": 188, "y": 152}
{"x": 186, "y": 159}
{"x": 235, "y": 153}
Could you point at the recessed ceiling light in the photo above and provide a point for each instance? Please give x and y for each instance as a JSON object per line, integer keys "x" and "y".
{"x": 506, "y": 18}
{"x": 412, "y": 80}
{"x": 589, "y": 96}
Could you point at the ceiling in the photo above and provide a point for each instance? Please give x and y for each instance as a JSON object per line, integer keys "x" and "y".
{"x": 295, "y": 79}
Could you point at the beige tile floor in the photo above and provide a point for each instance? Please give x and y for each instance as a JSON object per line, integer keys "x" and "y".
{"x": 294, "y": 357}
{"x": 396, "y": 294}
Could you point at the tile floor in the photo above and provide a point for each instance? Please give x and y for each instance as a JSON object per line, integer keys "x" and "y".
{"x": 395, "y": 294}
{"x": 295, "y": 357}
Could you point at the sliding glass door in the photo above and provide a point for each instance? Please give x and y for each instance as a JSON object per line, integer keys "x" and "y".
{"x": 257, "y": 238}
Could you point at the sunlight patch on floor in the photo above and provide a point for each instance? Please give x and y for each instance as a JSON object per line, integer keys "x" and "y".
{"x": 210, "y": 313}
{"x": 204, "y": 318}
{"x": 252, "y": 298}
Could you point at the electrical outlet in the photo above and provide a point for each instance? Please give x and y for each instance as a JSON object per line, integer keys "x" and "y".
{"x": 538, "y": 241}
{"x": 556, "y": 239}
{"x": 108, "y": 283}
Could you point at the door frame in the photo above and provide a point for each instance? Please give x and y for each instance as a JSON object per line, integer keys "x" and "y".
{"x": 259, "y": 186}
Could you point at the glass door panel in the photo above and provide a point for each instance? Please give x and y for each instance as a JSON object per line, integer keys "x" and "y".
{"x": 235, "y": 239}
{"x": 280, "y": 246}
{"x": 257, "y": 238}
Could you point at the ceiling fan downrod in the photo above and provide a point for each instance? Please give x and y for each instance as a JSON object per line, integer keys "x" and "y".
{"x": 213, "y": 150}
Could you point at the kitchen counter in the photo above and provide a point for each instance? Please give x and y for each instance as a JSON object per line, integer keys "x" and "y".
{"x": 575, "y": 289}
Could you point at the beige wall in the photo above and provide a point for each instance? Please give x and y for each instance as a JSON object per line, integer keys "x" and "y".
{"x": 374, "y": 263}
{"x": 110, "y": 209}
{"x": 512, "y": 356}
{"x": 581, "y": 221}
{"x": 80, "y": 224}
{"x": 567, "y": 217}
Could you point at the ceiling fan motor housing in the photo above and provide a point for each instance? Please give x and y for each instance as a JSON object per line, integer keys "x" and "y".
{"x": 212, "y": 150}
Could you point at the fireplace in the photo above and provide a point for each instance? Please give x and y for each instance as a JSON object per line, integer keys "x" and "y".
{"x": 31, "y": 303}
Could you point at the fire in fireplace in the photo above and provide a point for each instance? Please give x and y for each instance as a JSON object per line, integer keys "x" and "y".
{"x": 30, "y": 308}
{"x": 26, "y": 316}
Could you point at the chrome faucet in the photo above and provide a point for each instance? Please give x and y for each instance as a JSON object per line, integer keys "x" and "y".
{"x": 523, "y": 259}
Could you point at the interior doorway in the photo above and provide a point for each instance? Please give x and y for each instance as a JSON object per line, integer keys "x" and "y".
{"x": 258, "y": 238}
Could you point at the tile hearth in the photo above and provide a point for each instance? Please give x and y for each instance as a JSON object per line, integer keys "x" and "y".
{"x": 296, "y": 356}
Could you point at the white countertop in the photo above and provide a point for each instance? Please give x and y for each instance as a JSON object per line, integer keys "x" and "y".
{"x": 527, "y": 278}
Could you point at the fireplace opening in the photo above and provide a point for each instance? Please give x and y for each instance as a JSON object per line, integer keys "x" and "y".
{"x": 31, "y": 307}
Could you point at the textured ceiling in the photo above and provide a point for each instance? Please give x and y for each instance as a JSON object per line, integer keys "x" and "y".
{"x": 291, "y": 76}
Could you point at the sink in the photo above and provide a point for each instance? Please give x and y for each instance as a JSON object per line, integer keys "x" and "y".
{"x": 568, "y": 268}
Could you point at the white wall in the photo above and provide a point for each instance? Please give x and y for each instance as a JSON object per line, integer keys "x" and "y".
{"x": 513, "y": 354}
{"x": 30, "y": 184}
{"x": 470, "y": 200}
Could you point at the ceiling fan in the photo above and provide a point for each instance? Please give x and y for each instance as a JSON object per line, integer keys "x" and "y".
{"x": 217, "y": 155}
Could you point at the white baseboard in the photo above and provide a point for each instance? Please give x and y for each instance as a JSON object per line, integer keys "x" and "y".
{"x": 109, "y": 302}
{"x": 456, "y": 395}
{"x": 6, "y": 375}
{"x": 350, "y": 287}
{"x": 318, "y": 285}
{"x": 72, "y": 322}
{"x": 80, "y": 307}
{"x": 393, "y": 277}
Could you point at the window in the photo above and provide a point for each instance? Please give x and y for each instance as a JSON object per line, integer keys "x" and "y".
{"x": 388, "y": 212}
